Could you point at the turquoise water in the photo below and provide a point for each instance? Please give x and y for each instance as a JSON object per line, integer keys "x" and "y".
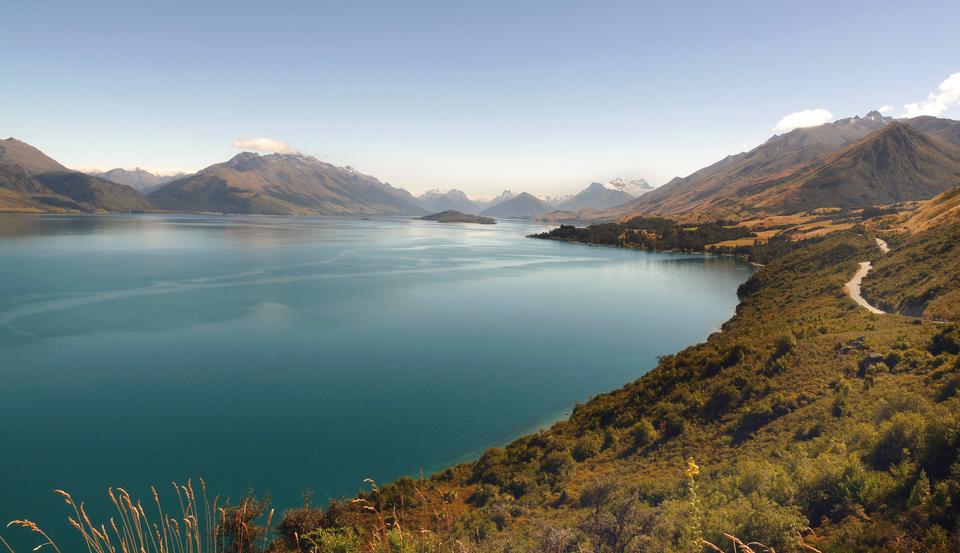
{"x": 296, "y": 353}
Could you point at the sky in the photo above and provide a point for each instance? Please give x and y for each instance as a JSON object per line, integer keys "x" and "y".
{"x": 481, "y": 96}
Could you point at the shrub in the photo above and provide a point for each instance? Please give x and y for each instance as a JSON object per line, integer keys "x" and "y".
{"x": 587, "y": 445}
{"x": 483, "y": 494}
{"x": 492, "y": 468}
{"x": 673, "y": 425}
{"x": 783, "y": 345}
{"x": 752, "y": 420}
{"x": 558, "y": 463}
{"x": 720, "y": 402}
{"x": 644, "y": 434}
{"x": 520, "y": 485}
{"x": 775, "y": 366}
{"x": 901, "y": 343}
{"x": 946, "y": 341}
{"x": 476, "y": 525}
{"x": 904, "y": 432}
{"x": 841, "y": 389}
{"x": 331, "y": 540}
{"x": 299, "y": 522}
{"x": 949, "y": 388}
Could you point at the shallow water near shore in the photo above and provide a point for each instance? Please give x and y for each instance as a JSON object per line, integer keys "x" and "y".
{"x": 309, "y": 353}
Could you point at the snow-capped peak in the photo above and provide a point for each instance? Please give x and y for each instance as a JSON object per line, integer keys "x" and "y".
{"x": 634, "y": 187}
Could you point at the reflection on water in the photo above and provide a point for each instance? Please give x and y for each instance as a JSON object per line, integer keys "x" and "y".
{"x": 293, "y": 353}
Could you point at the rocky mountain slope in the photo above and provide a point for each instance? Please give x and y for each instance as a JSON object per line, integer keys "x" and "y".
{"x": 809, "y": 167}
{"x": 521, "y": 206}
{"x": 36, "y": 183}
{"x": 596, "y": 195}
{"x": 283, "y": 184}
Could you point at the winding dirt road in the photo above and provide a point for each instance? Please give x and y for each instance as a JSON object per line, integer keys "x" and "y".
{"x": 853, "y": 287}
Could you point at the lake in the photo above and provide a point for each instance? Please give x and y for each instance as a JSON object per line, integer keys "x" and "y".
{"x": 309, "y": 353}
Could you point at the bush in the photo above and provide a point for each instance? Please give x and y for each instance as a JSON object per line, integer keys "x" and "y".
{"x": 644, "y": 434}
{"x": 520, "y": 486}
{"x": 751, "y": 421}
{"x": 673, "y": 425}
{"x": 783, "y": 345}
{"x": 331, "y": 540}
{"x": 946, "y": 341}
{"x": 558, "y": 463}
{"x": 492, "y": 468}
{"x": 587, "y": 446}
{"x": 483, "y": 494}
{"x": 610, "y": 437}
{"x": 904, "y": 432}
{"x": 720, "y": 402}
{"x": 299, "y": 522}
{"x": 476, "y": 525}
{"x": 775, "y": 366}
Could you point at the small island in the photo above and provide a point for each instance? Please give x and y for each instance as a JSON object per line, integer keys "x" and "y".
{"x": 453, "y": 216}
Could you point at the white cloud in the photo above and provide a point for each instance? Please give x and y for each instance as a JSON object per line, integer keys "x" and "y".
{"x": 946, "y": 96}
{"x": 805, "y": 118}
{"x": 887, "y": 108}
{"x": 267, "y": 145}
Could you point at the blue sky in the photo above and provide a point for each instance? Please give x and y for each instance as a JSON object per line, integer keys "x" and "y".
{"x": 481, "y": 96}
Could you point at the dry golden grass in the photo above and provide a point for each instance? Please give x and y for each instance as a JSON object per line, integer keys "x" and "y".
{"x": 197, "y": 527}
{"x": 780, "y": 221}
{"x": 824, "y": 229}
{"x": 748, "y": 241}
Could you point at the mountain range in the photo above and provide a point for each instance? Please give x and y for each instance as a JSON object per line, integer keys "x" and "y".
{"x": 522, "y": 206}
{"x": 451, "y": 200}
{"x": 634, "y": 187}
{"x": 283, "y": 184}
{"x": 596, "y": 195}
{"x": 850, "y": 163}
{"x": 141, "y": 180}
{"x": 31, "y": 181}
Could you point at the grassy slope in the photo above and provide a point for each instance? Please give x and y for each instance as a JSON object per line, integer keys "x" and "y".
{"x": 785, "y": 440}
{"x": 921, "y": 275}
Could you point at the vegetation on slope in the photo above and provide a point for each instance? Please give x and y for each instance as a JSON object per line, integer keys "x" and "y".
{"x": 453, "y": 216}
{"x": 921, "y": 274}
{"x": 812, "y": 423}
{"x": 649, "y": 233}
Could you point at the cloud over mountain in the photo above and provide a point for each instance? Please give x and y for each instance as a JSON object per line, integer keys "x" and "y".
{"x": 805, "y": 118}
{"x": 265, "y": 145}
{"x": 946, "y": 96}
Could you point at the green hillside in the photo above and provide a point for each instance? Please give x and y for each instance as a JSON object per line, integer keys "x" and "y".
{"x": 812, "y": 421}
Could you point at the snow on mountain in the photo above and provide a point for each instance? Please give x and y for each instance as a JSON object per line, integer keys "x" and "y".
{"x": 634, "y": 187}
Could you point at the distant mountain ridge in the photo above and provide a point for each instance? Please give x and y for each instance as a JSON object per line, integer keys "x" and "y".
{"x": 451, "y": 200}
{"x": 284, "y": 184}
{"x": 500, "y": 198}
{"x": 521, "y": 206}
{"x": 139, "y": 179}
{"x": 768, "y": 177}
{"x": 35, "y": 182}
{"x": 634, "y": 187}
{"x": 596, "y": 195}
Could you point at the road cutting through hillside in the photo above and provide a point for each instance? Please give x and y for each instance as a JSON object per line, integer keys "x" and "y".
{"x": 853, "y": 287}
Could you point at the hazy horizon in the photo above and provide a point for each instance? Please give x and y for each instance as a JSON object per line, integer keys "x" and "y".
{"x": 542, "y": 97}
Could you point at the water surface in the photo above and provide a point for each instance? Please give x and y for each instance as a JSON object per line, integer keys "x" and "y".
{"x": 296, "y": 353}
